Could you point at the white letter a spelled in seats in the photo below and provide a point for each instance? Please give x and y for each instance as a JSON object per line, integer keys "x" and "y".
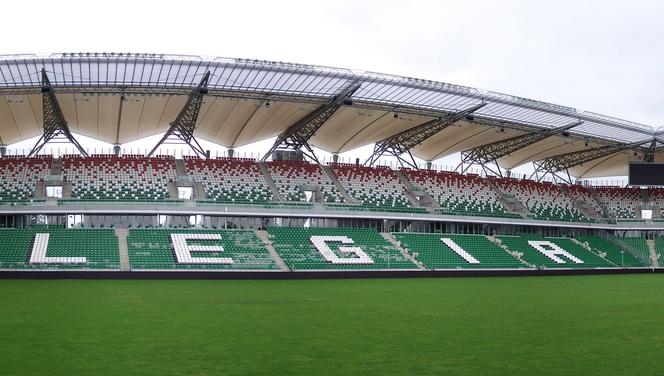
{"x": 552, "y": 251}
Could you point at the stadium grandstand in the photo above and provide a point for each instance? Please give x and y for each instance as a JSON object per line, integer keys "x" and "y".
{"x": 288, "y": 209}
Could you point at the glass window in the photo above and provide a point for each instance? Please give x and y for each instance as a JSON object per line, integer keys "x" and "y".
{"x": 54, "y": 191}
{"x": 185, "y": 193}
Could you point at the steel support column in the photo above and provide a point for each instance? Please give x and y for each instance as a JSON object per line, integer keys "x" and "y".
{"x": 558, "y": 166}
{"x": 487, "y": 155}
{"x": 650, "y": 154}
{"x": 55, "y": 126}
{"x": 401, "y": 143}
{"x": 182, "y": 129}
{"x": 297, "y": 136}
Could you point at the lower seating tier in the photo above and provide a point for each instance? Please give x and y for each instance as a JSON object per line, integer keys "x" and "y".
{"x": 198, "y": 249}
{"x": 336, "y": 249}
{"x": 43, "y": 247}
{"x": 553, "y": 252}
{"x": 614, "y": 253}
{"x": 450, "y": 251}
{"x": 659, "y": 249}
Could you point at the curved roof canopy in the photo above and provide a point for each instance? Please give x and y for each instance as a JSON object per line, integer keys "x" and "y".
{"x": 118, "y": 98}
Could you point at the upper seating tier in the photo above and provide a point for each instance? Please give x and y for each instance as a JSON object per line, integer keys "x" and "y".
{"x": 230, "y": 180}
{"x": 110, "y": 177}
{"x": 544, "y": 200}
{"x": 378, "y": 188}
{"x": 293, "y": 178}
{"x": 19, "y": 176}
{"x": 622, "y": 202}
{"x": 459, "y": 194}
{"x": 583, "y": 196}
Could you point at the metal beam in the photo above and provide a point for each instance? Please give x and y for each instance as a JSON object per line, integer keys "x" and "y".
{"x": 558, "y": 166}
{"x": 182, "y": 129}
{"x": 487, "y": 155}
{"x": 650, "y": 154}
{"x": 401, "y": 143}
{"x": 55, "y": 125}
{"x": 297, "y": 136}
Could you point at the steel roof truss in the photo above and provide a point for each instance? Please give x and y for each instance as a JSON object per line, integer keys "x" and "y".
{"x": 182, "y": 129}
{"x": 55, "y": 126}
{"x": 402, "y": 142}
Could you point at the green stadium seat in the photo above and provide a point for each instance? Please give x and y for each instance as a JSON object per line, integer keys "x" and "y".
{"x": 296, "y": 247}
{"x": 613, "y": 252}
{"x": 586, "y": 259}
{"x": 432, "y": 252}
{"x": 99, "y": 247}
{"x": 153, "y": 249}
{"x": 659, "y": 249}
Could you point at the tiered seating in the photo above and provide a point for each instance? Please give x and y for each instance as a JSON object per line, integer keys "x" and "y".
{"x": 640, "y": 245}
{"x": 544, "y": 200}
{"x": 435, "y": 254}
{"x": 657, "y": 198}
{"x": 377, "y": 187}
{"x": 298, "y": 249}
{"x": 99, "y": 247}
{"x": 230, "y": 180}
{"x": 621, "y": 202}
{"x": 613, "y": 252}
{"x": 154, "y": 249}
{"x": 581, "y": 193}
{"x": 659, "y": 249}
{"x": 538, "y": 258}
{"x": 459, "y": 194}
{"x": 109, "y": 177}
{"x": 291, "y": 177}
{"x": 19, "y": 176}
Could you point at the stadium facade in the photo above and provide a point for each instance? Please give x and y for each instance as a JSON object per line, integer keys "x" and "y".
{"x": 286, "y": 212}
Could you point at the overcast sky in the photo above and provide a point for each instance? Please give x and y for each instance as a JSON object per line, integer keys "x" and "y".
{"x": 601, "y": 56}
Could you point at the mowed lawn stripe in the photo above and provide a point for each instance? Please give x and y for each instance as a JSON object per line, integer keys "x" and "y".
{"x": 590, "y": 325}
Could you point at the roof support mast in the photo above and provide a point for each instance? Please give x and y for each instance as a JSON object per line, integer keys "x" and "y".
{"x": 297, "y": 136}
{"x": 183, "y": 127}
{"x": 650, "y": 154}
{"x": 487, "y": 155}
{"x": 55, "y": 126}
{"x": 558, "y": 166}
{"x": 401, "y": 143}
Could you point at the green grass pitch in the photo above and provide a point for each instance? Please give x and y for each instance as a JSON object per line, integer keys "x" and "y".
{"x": 585, "y": 325}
